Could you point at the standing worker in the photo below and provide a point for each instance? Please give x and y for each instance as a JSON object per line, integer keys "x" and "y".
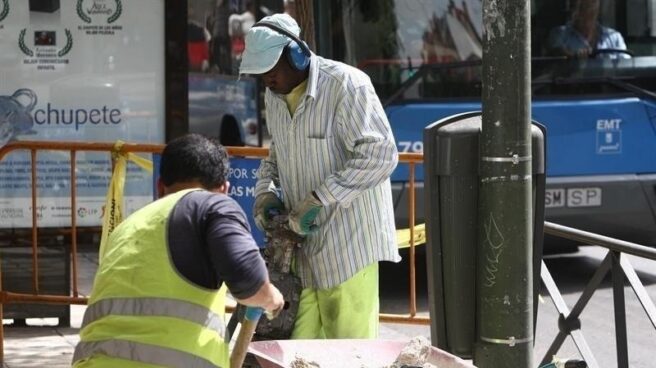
{"x": 331, "y": 156}
{"x": 158, "y": 297}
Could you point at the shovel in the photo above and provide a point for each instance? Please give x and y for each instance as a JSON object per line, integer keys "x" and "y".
{"x": 248, "y": 324}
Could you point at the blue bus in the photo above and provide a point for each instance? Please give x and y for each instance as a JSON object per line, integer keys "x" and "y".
{"x": 598, "y": 105}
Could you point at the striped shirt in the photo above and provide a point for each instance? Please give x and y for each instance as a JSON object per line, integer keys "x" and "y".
{"x": 338, "y": 144}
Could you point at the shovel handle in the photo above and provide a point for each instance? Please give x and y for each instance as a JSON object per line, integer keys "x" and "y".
{"x": 248, "y": 325}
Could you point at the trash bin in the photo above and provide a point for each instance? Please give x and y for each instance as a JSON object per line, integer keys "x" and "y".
{"x": 451, "y": 157}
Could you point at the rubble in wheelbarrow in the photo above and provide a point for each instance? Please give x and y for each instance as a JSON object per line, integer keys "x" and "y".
{"x": 353, "y": 353}
{"x": 414, "y": 354}
{"x": 299, "y": 362}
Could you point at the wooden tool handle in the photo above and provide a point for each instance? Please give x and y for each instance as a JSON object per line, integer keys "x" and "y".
{"x": 248, "y": 325}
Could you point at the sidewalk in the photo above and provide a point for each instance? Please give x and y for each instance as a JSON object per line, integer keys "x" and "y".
{"x": 44, "y": 344}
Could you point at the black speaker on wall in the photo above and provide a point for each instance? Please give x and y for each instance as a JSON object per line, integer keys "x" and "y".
{"x": 46, "y": 6}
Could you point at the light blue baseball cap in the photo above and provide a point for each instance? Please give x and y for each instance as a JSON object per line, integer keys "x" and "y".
{"x": 264, "y": 45}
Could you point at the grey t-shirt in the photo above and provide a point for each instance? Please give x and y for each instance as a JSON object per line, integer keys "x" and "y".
{"x": 210, "y": 243}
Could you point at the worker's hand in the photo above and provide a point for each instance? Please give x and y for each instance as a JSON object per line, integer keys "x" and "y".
{"x": 301, "y": 219}
{"x": 274, "y": 313}
{"x": 266, "y": 206}
{"x": 277, "y": 304}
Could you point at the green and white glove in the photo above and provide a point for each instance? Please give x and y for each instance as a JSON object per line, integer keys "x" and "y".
{"x": 301, "y": 219}
{"x": 266, "y": 206}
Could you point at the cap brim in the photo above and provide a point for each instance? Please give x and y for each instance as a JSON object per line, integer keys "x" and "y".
{"x": 259, "y": 61}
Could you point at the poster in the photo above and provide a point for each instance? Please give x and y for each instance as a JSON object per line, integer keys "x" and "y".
{"x": 242, "y": 176}
{"x": 77, "y": 70}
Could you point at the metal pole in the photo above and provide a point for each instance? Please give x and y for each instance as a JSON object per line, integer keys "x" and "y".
{"x": 504, "y": 317}
{"x": 620, "y": 312}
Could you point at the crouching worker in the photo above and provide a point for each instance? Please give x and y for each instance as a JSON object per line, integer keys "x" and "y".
{"x": 159, "y": 293}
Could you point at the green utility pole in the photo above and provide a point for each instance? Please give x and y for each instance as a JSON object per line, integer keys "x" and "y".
{"x": 504, "y": 317}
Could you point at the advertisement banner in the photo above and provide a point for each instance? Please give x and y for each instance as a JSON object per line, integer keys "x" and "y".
{"x": 242, "y": 180}
{"x": 77, "y": 70}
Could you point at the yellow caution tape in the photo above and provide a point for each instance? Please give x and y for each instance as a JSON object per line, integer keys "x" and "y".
{"x": 403, "y": 236}
{"x": 142, "y": 162}
{"x": 113, "y": 214}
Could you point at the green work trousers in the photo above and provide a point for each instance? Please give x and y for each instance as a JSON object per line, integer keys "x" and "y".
{"x": 347, "y": 311}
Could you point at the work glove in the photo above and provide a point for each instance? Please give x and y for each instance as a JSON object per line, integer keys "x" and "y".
{"x": 266, "y": 206}
{"x": 301, "y": 219}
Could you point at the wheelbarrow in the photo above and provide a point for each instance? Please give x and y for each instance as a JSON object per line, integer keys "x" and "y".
{"x": 342, "y": 353}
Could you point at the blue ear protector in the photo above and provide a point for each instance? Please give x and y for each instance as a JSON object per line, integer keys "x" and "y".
{"x": 296, "y": 51}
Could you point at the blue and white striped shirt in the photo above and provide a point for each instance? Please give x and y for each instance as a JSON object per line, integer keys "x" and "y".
{"x": 338, "y": 144}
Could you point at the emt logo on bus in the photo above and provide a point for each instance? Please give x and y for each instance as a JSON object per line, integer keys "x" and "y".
{"x": 609, "y": 136}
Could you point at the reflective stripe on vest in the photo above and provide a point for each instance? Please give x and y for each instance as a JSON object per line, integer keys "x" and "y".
{"x": 140, "y": 352}
{"x": 160, "y": 307}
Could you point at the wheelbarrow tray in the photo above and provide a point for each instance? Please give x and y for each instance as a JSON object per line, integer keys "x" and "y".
{"x": 342, "y": 353}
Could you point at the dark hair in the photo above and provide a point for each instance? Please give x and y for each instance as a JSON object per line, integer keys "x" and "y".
{"x": 194, "y": 157}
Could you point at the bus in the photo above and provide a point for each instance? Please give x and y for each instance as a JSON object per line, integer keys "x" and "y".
{"x": 424, "y": 59}
{"x": 599, "y": 107}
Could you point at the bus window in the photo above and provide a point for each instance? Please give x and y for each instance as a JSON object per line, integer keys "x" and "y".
{"x": 393, "y": 40}
{"x": 620, "y": 56}
{"x": 432, "y": 49}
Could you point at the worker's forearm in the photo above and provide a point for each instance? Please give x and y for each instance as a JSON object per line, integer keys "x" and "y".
{"x": 267, "y": 297}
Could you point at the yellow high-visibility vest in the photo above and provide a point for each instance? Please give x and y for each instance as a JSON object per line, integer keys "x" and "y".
{"x": 141, "y": 312}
